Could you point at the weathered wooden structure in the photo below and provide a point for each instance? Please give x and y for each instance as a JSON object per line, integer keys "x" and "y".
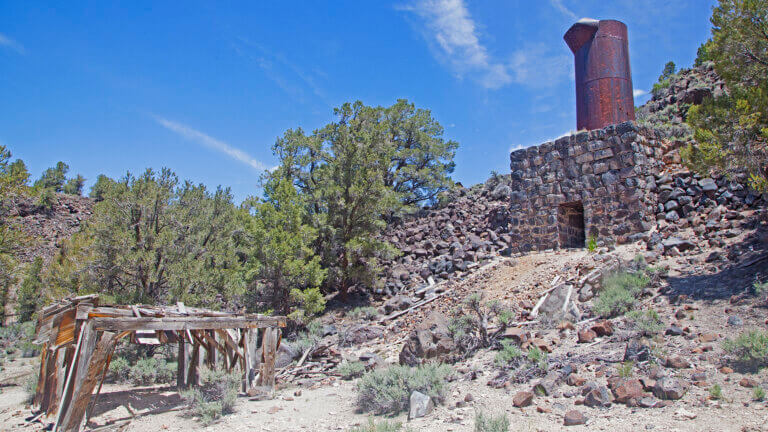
{"x": 78, "y": 337}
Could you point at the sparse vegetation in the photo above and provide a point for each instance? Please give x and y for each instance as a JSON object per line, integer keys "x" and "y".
{"x": 619, "y": 293}
{"x": 716, "y": 392}
{"x": 387, "y": 391}
{"x": 148, "y": 371}
{"x": 592, "y": 243}
{"x": 538, "y": 357}
{"x": 749, "y": 349}
{"x": 119, "y": 369}
{"x": 509, "y": 356}
{"x": 491, "y": 423}
{"x": 351, "y": 370}
{"x": 216, "y": 396}
{"x": 625, "y": 370}
{"x": 364, "y": 312}
{"x": 758, "y": 394}
{"x": 30, "y": 385}
{"x": 469, "y": 325}
{"x": 647, "y": 323}
{"x": 382, "y": 426}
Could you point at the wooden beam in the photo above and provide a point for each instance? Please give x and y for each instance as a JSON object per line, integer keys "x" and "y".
{"x": 184, "y": 323}
{"x": 85, "y": 345}
{"x": 91, "y": 365}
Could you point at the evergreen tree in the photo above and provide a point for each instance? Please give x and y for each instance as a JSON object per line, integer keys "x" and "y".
{"x": 53, "y": 178}
{"x": 151, "y": 240}
{"x": 100, "y": 189}
{"x": 74, "y": 185}
{"x": 371, "y": 164}
{"x": 280, "y": 256}
{"x": 731, "y": 131}
{"x": 13, "y": 183}
{"x": 29, "y": 294}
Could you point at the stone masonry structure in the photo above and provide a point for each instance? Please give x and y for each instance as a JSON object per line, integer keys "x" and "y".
{"x": 597, "y": 183}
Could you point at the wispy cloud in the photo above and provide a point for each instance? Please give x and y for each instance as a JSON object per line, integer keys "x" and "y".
{"x": 454, "y": 32}
{"x": 455, "y": 40}
{"x": 284, "y": 73}
{"x": 638, "y": 92}
{"x": 211, "y": 142}
{"x": 558, "y": 4}
{"x": 12, "y": 44}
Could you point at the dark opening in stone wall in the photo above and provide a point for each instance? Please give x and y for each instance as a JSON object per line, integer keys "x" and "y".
{"x": 570, "y": 221}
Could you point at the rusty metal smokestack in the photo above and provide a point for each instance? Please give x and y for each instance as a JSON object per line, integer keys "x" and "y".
{"x": 603, "y": 79}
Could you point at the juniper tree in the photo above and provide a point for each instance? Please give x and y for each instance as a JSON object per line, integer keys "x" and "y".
{"x": 731, "y": 131}
{"x": 280, "y": 259}
{"x": 151, "y": 240}
{"x": 372, "y": 163}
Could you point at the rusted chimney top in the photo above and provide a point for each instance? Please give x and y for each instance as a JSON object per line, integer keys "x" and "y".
{"x": 603, "y": 78}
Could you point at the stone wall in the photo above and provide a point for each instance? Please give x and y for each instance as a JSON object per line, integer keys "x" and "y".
{"x": 606, "y": 172}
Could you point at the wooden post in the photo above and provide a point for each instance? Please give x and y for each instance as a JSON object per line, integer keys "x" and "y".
{"x": 211, "y": 350}
{"x": 194, "y": 360}
{"x": 269, "y": 353}
{"x": 86, "y": 342}
{"x": 251, "y": 353}
{"x": 90, "y": 366}
{"x": 182, "y": 373}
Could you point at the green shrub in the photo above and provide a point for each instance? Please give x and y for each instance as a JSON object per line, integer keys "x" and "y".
{"x": 716, "y": 392}
{"x": 648, "y": 323}
{"x": 216, "y": 396}
{"x": 387, "y": 391}
{"x": 491, "y": 423}
{"x": 625, "y": 369}
{"x": 382, "y": 426}
{"x": 46, "y": 198}
{"x": 592, "y": 243}
{"x": 758, "y": 394}
{"x": 749, "y": 349}
{"x": 619, "y": 293}
{"x": 150, "y": 370}
{"x": 509, "y": 355}
{"x": 350, "y": 370}
{"x": 538, "y": 357}
{"x": 119, "y": 369}
{"x": 367, "y": 312}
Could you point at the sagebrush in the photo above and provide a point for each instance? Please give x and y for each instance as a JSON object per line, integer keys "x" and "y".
{"x": 387, "y": 391}
{"x": 215, "y": 396}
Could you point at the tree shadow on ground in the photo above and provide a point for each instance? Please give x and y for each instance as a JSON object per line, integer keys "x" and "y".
{"x": 747, "y": 261}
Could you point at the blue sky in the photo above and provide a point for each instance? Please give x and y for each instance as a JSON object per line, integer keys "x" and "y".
{"x": 205, "y": 87}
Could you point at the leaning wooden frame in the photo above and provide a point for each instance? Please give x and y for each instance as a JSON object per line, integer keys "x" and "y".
{"x": 78, "y": 337}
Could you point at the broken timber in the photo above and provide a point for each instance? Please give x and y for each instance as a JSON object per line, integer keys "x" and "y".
{"x": 78, "y": 338}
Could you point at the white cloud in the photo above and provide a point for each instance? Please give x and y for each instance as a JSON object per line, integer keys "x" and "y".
{"x": 558, "y": 4}
{"x": 453, "y": 30}
{"x": 536, "y": 66}
{"x": 12, "y": 44}
{"x": 638, "y": 92}
{"x": 211, "y": 142}
{"x": 454, "y": 37}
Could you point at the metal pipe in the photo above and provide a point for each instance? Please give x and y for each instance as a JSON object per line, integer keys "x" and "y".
{"x": 603, "y": 77}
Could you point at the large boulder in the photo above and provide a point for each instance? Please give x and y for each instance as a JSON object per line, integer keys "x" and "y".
{"x": 429, "y": 340}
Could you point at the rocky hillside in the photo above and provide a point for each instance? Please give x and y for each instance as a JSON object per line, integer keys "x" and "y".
{"x": 47, "y": 228}
{"x": 448, "y": 240}
{"x": 669, "y": 104}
